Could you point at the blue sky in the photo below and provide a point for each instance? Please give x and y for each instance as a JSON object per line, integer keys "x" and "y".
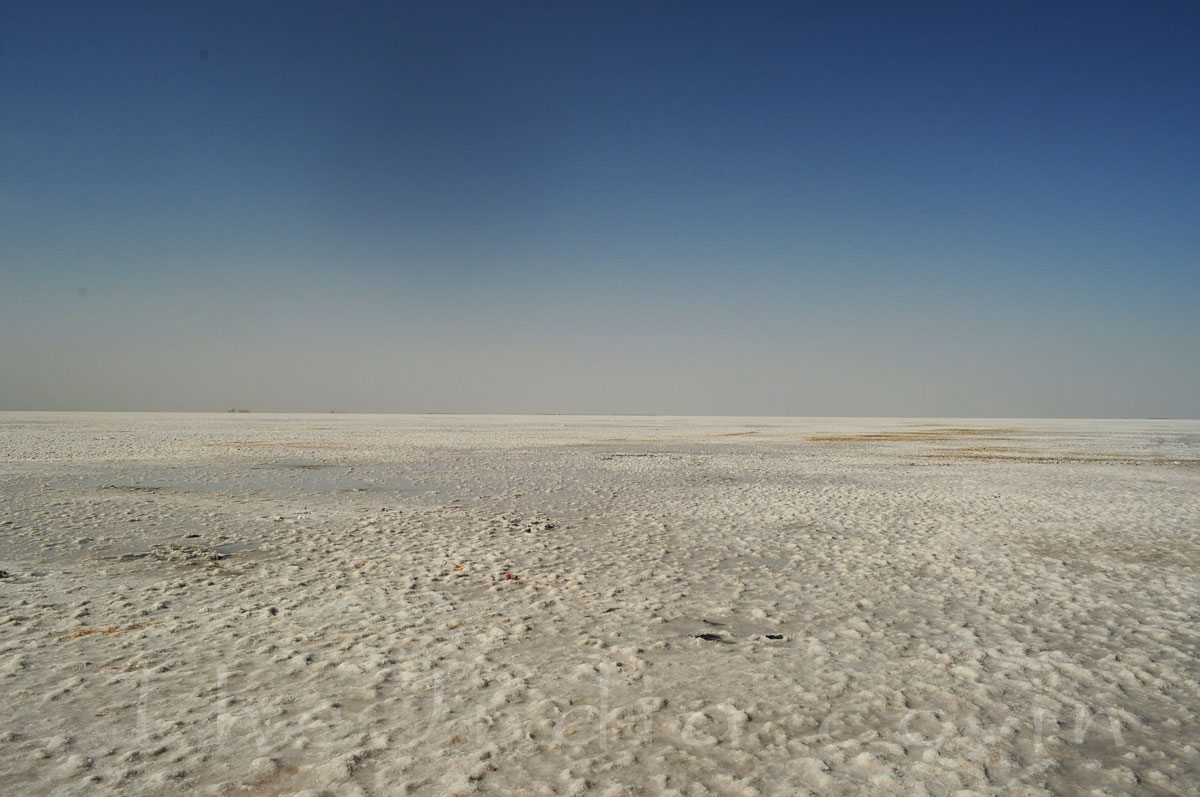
{"x": 929, "y": 208}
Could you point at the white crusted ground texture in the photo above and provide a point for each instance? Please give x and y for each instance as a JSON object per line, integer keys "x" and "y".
{"x": 266, "y": 604}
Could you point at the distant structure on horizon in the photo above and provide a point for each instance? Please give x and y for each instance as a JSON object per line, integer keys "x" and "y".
{"x": 237, "y": 410}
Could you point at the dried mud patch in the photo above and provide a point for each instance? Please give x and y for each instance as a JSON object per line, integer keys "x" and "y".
{"x": 930, "y": 435}
{"x": 112, "y": 629}
{"x": 282, "y": 444}
{"x": 133, "y": 488}
{"x": 1035, "y": 456}
{"x": 293, "y": 466}
{"x": 621, "y": 441}
{"x": 214, "y": 558}
{"x": 1093, "y": 558}
{"x": 639, "y": 455}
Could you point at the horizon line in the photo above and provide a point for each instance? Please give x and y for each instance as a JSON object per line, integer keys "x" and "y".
{"x": 606, "y": 414}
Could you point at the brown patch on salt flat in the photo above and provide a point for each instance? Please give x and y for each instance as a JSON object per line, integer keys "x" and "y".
{"x": 272, "y": 783}
{"x": 1030, "y": 456}
{"x": 279, "y": 443}
{"x": 293, "y": 466}
{"x": 652, "y": 454}
{"x": 112, "y": 629}
{"x": 132, "y": 488}
{"x": 930, "y": 435}
{"x": 1088, "y": 558}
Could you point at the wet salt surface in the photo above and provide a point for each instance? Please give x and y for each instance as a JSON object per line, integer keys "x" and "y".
{"x": 265, "y": 604}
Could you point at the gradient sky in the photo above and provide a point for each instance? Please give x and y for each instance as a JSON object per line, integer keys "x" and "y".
{"x": 903, "y": 209}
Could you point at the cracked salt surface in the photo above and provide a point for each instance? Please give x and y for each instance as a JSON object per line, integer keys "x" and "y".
{"x": 271, "y": 604}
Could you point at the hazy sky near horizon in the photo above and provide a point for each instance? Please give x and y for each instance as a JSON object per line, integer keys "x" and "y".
{"x": 912, "y": 209}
